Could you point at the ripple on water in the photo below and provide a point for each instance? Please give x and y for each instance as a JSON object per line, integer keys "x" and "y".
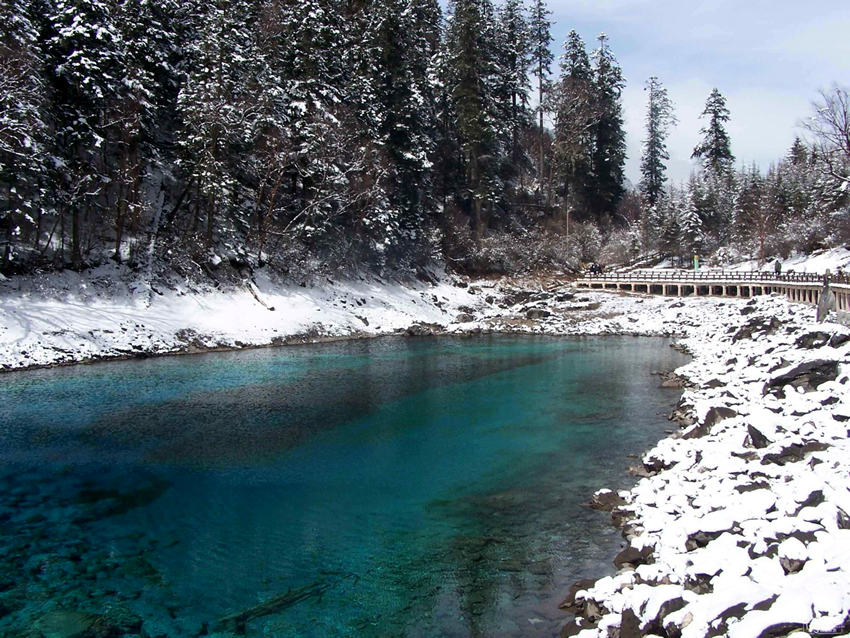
{"x": 383, "y": 487}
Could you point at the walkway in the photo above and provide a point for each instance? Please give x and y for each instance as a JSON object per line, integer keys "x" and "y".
{"x": 800, "y": 287}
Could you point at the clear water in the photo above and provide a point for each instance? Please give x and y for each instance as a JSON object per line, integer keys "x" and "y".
{"x": 373, "y": 488}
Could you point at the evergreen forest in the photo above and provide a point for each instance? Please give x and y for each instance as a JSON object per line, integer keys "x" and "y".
{"x": 335, "y": 136}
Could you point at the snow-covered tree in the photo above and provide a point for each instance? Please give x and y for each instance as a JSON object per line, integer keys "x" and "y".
{"x": 691, "y": 236}
{"x": 609, "y": 153}
{"x": 541, "y": 68}
{"x": 22, "y": 126}
{"x": 714, "y": 151}
{"x": 514, "y": 64}
{"x": 216, "y": 107}
{"x": 659, "y": 120}
{"x": 84, "y": 64}
{"x": 575, "y": 127}
{"x": 473, "y": 65}
{"x": 147, "y": 38}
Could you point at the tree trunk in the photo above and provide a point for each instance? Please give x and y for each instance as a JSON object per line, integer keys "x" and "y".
{"x": 540, "y": 171}
{"x": 121, "y": 206}
{"x": 76, "y": 254}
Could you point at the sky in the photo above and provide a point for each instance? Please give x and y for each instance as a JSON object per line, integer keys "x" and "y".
{"x": 768, "y": 58}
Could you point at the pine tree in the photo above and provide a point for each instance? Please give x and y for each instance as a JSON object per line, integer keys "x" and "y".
{"x": 401, "y": 39}
{"x": 668, "y": 223}
{"x": 541, "y": 68}
{"x": 514, "y": 63}
{"x": 691, "y": 235}
{"x": 22, "y": 126}
{"x": 609, "y": 155}
{"x": 145, "y": 94}
{"x": 754, "y": 221}
{"x": 575, "y": 127}
{"x": 798, "y": 155}
{"x": 216, "y": 107}
{"x": 659, "y": 119}
{"x": 473, "y": 66}
{"x": 83, "y": 63}
{"x": 715, "y": 148}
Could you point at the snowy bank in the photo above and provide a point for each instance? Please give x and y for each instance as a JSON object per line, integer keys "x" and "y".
{"x": 105, "y": 313}
{"x": 741, "y": 524}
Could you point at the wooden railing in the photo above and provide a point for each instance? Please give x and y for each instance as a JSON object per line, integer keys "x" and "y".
{"x": 730, "y": 276}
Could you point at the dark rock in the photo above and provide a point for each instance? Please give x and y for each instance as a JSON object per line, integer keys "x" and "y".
{"x": 632, "y": 557}
{"x": 812, "y": 340}
{"x": 812, "y": 500}
{"x": 629, "y": 624}
{"x": 672, "y": 380}
{"x": 464, "y": 318}
{"x": 701, "y": 539}
{"x": 575, "y": 628}
{"x": 715, "y": 383}
{"x": 423, "y": 330}
{"x": 842, "y": 519}
{"x": 606, "y": 501}
{"x": 780, "y": 629}
{"x": 656, "y": 625}
{"x": 755, "y": 326}
{"x": 569, "y": 603}
{"x": 793, "y": 453}
{"x": 699, "y": 584}
{"x": 537, "y": 313}
{"x": 696, "y": 432}
{"x": 721, "y": 623}
{"x": 751, "y": 487}
{"x": 808, "y": 375}
{"x": 654, "y": 465}
{"x": 717, "y": 414}
{"x": 683, "y": 416}
{"x": 639, "y": 471}
{"x": 747, "y": 456}
{"x": 516, "y": 297}
{"x": 772, "y": 551}
{"x": 839, "y": 340}
{"x": 565, "y": 296}
{"x": 757, "y": 439}
{"x": 765, "y": 604}
{"x": 791, "y": 565}
{"x": 620, "y": 517}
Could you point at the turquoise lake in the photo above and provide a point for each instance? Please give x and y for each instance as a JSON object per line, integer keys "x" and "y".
{"x": 388, "y": 487}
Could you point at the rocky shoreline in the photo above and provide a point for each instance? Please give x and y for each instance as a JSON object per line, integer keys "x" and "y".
{"x": 740, "y": 523}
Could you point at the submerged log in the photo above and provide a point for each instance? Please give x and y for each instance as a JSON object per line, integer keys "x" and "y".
{"x": 235, "y": 623}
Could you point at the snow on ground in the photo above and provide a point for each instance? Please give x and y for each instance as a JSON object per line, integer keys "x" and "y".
{"x": 818, "y": 262}
{"x": 740, "y": 525}
{"x": 68, "y": 317}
